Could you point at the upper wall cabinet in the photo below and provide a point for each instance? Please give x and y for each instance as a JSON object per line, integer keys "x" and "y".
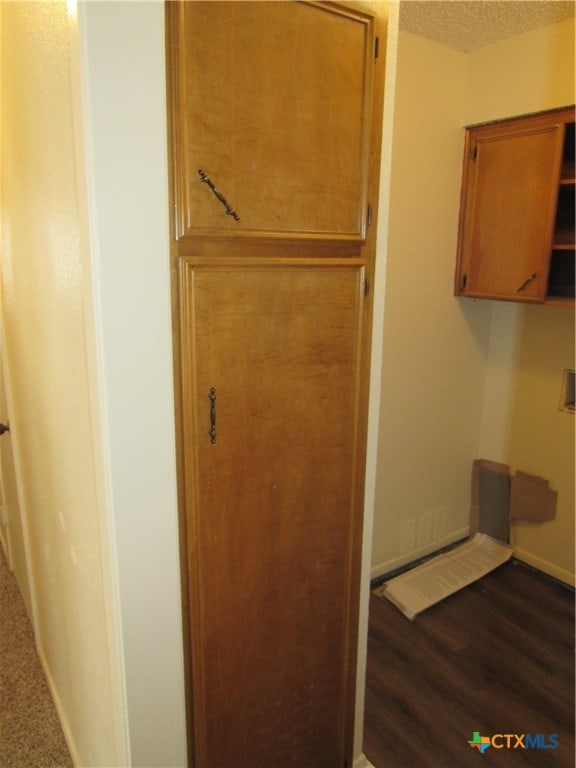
{"x": 516, "y": 238}
{"x": 298, "y": 110}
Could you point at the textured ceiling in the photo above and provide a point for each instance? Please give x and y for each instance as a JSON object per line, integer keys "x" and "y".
{"x": 470, "y": 24}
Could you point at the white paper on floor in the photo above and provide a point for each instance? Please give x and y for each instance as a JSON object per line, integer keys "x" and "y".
{"x": 427, "y": 584}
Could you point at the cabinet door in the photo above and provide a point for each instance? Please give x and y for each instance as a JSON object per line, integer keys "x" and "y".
{"x": 272, "y": 118}
{"x": 270, "y": 369}
{"x": 509, "y": 196}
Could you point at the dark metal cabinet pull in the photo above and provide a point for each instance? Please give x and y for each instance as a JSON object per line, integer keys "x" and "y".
{"x": 526, "y": 282}
{"x": 229, "y": 210}
{"x": 212, "y": 431}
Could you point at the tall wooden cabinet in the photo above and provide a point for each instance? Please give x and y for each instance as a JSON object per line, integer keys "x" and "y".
{"x": 516, "y": 238}
{"x": 274, "y": 166}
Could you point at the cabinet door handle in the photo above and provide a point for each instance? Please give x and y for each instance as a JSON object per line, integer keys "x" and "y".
{"x": 526, "y": 282}
{"x": 207, "y": 180}
{"x": 212, "y": 430}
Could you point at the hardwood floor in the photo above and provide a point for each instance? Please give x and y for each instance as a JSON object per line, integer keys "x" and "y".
{"x": 495, "y": 658}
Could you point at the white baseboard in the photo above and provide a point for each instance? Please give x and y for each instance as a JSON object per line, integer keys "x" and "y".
{"x": 398, "y": 562}
{"x": 362, "y": 762}
{"x": 543, "y": 565}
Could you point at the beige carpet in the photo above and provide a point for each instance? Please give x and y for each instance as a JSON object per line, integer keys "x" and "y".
{"x": 30, "y": 733}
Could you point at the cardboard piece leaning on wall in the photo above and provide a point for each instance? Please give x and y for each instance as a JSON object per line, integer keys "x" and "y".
{"x": 531, "y": 499}
{"x": 490, "y": 499}
{"x": 497, "y": 497}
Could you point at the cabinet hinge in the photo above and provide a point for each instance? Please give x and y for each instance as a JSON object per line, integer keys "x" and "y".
{"x": 369, "y": 215}
{"x": 475, "y": 152}
{"x": 463, "y": 282}
{"x": 366, "y": 286}
{"x": 376, "y": 47}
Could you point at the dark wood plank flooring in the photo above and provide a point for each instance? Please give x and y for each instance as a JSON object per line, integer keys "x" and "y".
{"x": 496, "y": 658}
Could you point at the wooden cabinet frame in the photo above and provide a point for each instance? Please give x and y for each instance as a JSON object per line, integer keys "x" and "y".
{"x": 514, "y": 204}
{"x": 202, "y": 250}
{"x": 315, "y": 169}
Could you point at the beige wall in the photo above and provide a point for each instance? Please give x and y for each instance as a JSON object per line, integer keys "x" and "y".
{"x": 434, "y": 346}
{"x": 458, "y": 377}
{"x": 47, "y": 327}
{"x": 521, "y": 74}
{"x": 542, "y": 436}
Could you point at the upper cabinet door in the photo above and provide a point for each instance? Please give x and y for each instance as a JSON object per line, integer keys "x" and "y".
{"x": 509, "y": 194}
{"x": 277, "y": 145}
